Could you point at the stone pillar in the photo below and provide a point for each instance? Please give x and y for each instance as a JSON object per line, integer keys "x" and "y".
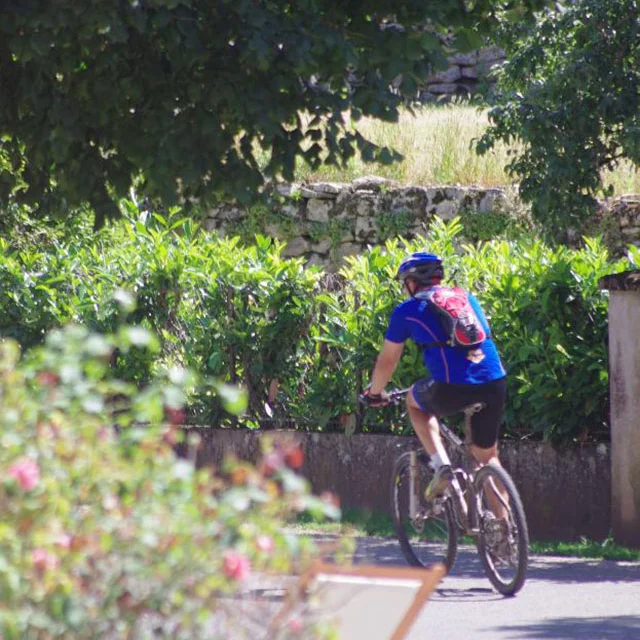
{"x": 624, "y": 384}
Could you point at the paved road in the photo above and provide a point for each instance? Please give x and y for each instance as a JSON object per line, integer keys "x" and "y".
{"x": 563, "y": 599}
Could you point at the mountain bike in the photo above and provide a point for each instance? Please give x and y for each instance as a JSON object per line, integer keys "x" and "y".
{"x": 428, "y": 531}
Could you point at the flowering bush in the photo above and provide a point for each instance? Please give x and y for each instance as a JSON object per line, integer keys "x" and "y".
{"x": 104, "y": 531}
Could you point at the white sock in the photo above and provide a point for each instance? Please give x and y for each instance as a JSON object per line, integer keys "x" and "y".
{"x": 437, "y": 461}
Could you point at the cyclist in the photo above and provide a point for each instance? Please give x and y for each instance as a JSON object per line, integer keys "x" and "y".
{"x": 460, "y": 376}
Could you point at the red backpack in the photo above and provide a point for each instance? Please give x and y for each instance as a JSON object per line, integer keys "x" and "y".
{"x": 459, "y": 320}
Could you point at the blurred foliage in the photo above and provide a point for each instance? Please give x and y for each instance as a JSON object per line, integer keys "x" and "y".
{"x": 104, "y": 531}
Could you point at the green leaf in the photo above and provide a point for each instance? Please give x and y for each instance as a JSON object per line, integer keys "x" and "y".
{"x": 233, "y": 398}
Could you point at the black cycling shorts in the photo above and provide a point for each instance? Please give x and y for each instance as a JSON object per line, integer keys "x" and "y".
{"x": 445, "y": 399}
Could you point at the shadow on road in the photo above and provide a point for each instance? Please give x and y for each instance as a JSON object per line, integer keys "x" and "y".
{"x": 610, "y": 628}
{"x": 476, "y": 594}
{"x": 581, "y": 570}
{"x": 386, "y": 551}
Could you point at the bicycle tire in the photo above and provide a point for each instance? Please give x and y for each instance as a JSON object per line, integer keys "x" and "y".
{"x": 438, "y": 539}
{"x": 513, "y": 552}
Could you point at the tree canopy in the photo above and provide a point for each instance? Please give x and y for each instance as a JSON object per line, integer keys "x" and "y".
{"x": 570, "y": 91}
{"x": 202, "y": 100}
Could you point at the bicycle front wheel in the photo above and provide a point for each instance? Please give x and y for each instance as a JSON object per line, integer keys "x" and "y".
{"x": 503, "y": 542}
{"x": 429, "y": 535}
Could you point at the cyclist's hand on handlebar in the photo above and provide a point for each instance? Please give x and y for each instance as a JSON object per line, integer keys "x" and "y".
{"x": 375, "y": 400}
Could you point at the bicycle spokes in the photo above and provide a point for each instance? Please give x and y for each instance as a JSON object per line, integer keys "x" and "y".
{"x": 426, "y": 530}
{"x": 503, "y": 539}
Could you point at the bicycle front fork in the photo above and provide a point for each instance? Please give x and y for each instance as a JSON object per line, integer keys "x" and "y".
{"x": 459, "y": 490}
{"x": 414, "y": 485}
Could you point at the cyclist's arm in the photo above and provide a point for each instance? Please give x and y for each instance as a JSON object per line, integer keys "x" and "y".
{"x": 385, "y": 365}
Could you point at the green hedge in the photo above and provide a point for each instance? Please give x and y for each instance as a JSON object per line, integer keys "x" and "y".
{"x": 303, "y": 342}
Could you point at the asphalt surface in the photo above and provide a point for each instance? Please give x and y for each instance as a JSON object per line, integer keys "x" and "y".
{"x": 562, "y": 599}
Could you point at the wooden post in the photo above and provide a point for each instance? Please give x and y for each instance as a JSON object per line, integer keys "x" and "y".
{"x": 624, "y": 384}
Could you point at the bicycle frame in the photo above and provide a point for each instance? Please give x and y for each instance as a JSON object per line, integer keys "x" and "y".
{"x": 468, "y": 504}
{"x": 465, "y": 511}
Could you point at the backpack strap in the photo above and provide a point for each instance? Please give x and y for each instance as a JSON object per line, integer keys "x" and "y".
{"x": 434, "y": 345}
{"x": 442, "y": 345}
{"x": 423, "y": 295}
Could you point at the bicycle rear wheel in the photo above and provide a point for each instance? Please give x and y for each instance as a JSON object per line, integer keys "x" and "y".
{"x": 503, "y": 543}
{"x": 431, "y": 536}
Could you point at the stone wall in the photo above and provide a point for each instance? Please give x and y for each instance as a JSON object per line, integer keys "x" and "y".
{"x": 624, "y": 213}
{"x": 326, "y": 221}
{"x": 566, "y": 494}
{"x": 465, "y": 74}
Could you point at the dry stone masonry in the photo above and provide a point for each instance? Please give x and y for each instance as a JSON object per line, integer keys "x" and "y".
{"x": 326, "y": 221}
{"x": 625, "y": 212}
{"x": 465, "y": 73}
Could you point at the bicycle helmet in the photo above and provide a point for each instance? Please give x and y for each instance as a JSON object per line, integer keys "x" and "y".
{"x": 422, "y": 267}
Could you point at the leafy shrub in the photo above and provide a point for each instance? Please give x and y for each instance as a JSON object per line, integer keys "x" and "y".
{"x": 104, "y": 532}
{"x": 548, "y": 317}
{"x": 250, "y": 311}
{"x": 25, "y": 312}
{"x": 303, "y": 344}
{"x": 550, "y": 322}
{"x": 216, "y": 306}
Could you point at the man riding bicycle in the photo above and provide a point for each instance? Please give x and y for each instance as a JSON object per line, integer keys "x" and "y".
{"x": 452, "y": 330}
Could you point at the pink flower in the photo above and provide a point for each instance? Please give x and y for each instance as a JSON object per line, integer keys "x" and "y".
{"x": 295, "y": 625}
{"x": 26, "y": 473}
{"x": 64, "y": 541}
{"x": 271, "y": 463}
{"x": 265, "y": 543}
{"x": 236, "y": 566}
{"x": 43, "y": 560}
{"x": 47, "y": 378}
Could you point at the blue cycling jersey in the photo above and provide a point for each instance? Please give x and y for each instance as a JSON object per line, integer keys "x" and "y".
{"x": 413, "y": 319}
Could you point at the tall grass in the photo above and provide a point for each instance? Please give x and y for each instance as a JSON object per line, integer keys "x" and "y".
{"x": 438, "y": 148}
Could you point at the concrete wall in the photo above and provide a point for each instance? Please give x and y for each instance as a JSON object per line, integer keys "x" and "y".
{"x": 624, "y": 381}
{"x": 565, "y": 494}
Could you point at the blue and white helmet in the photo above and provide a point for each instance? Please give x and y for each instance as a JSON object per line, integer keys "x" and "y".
{"x": 421, "y": 266}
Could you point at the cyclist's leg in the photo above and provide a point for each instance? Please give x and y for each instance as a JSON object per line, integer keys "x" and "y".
{"x": 486, "y": 456}
{"x": 485, "y": 426}
{"x": 423, "y": 406}
{"x": 426, "y": 426}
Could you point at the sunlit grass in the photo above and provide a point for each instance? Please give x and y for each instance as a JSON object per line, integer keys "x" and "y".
{"x": 362, "y": 522}
{"x": 438, "y": 148}
{"x": 587, "y": 549}
{"x": 436, "y": 144}
{"x": 625, "y": 179}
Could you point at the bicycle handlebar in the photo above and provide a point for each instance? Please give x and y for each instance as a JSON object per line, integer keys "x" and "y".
{"x": 394, "y": 397}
